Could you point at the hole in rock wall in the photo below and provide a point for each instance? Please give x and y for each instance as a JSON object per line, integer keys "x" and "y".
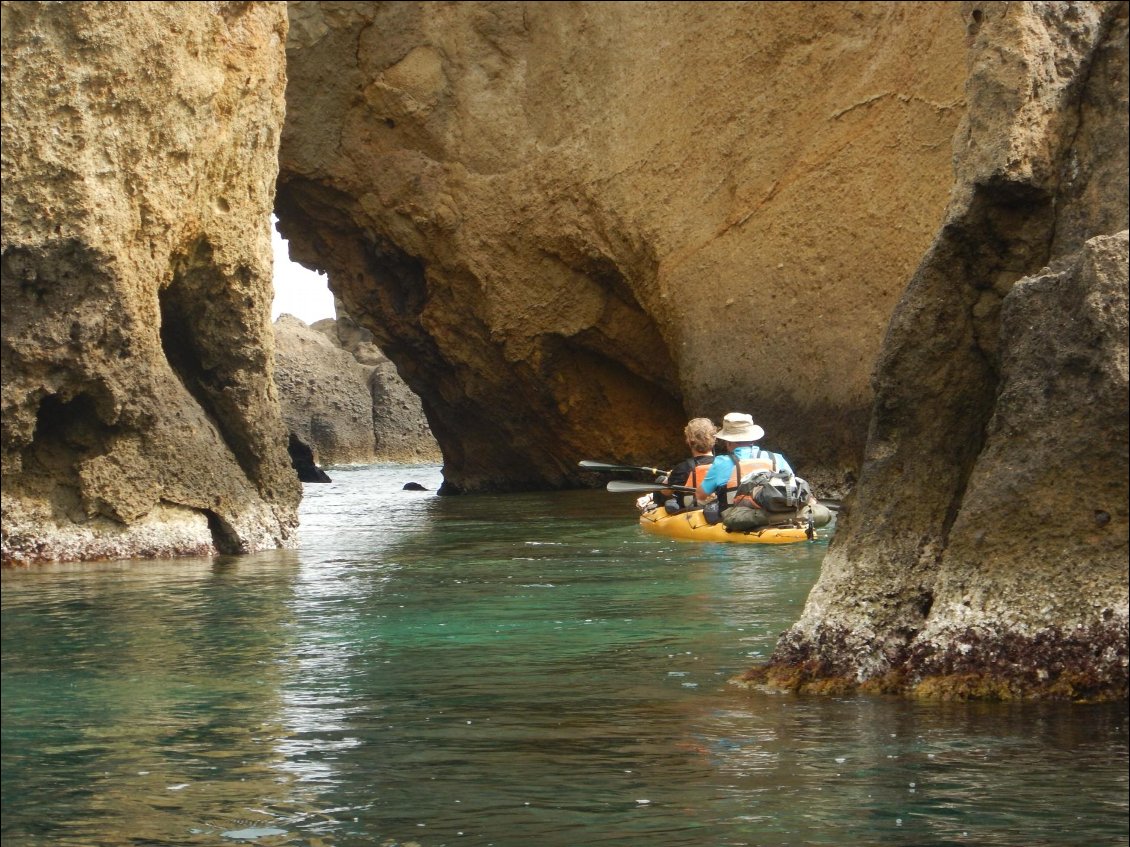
{"x": 66, "y": 432}
{"x": 196, "y": 320}
{"x": 299, "y": 291}
{"x": 224, "y": 537}
{"x": 179, "y": 347}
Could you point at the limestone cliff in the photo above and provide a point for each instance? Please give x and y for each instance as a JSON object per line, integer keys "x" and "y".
{"x": 324, "y": 394}
{"x": 572, "y": 226}
{"x": 400, "y": 428}
{"x": 139, "y": 162}
{"x": 984, "y": 552}
{"x": 345, "y": 401}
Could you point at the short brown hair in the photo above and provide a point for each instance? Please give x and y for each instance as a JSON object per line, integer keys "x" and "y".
{"x": 700, "y": 434}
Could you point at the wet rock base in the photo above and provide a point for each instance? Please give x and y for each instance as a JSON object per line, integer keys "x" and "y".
{"x": 1085, "y": 664}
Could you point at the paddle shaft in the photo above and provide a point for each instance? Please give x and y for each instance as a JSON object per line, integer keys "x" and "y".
{"x": 601, "y": 466}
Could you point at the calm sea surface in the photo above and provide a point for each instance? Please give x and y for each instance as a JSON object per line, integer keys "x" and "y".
{"x": 517, "y": 671}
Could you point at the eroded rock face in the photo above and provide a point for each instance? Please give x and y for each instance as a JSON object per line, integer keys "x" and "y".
{"x": 344, "y": 401}
{"x": 139, "y": 159}
{"x": 984, "y": 552}
{"x": 324, "y": 394}
{"x": 400, "y": 429}
{"x": 574, "y": 226}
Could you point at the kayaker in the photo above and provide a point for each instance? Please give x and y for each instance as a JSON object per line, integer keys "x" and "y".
{"x": 700, "y": 436}
{"x": 741, "y": 435}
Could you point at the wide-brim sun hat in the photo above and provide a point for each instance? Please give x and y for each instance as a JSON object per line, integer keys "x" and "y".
{"x": 739, "y": 427}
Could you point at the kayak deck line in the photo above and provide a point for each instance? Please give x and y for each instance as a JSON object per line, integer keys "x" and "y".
{"x": 692, "y": 526}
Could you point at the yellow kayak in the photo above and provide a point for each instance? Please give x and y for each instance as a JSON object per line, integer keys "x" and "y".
{"x": 691, "y": 526}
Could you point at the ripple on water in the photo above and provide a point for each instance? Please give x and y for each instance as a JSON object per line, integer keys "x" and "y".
{"x": 507, "y": 670}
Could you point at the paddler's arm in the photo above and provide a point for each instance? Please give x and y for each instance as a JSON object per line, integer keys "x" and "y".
{"x": 717, "y": 476}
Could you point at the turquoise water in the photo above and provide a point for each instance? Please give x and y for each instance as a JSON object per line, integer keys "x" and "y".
{"x": 515, "y": 671}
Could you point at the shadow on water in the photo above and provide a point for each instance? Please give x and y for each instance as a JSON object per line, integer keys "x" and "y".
{"x": 506, "y": 670}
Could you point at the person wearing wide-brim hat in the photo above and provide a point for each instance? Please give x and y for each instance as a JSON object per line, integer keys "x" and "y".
{"x": 740, "y": 434}
{"x": 738, "y": 428}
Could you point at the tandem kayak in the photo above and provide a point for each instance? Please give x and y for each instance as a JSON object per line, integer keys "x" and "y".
{"x": 692, "y": 526}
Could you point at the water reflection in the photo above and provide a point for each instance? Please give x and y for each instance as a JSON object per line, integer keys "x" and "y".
{"x": 137, "y": 695}
{"x": 422, "y": 671}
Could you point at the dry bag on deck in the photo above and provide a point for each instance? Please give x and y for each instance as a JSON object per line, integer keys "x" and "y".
{"x": 765, "y": 499}
{"x": 742, "y": 518}
{"x": 818, "y": 513}
{"x": 774, "y": 492}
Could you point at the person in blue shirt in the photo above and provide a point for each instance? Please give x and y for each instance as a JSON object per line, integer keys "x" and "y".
{"x": 741, "y": 435}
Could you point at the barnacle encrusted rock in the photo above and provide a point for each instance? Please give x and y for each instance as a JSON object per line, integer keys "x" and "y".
{"x": 139, "y": 160}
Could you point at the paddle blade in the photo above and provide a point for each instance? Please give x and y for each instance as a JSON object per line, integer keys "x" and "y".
{"x": 623, "y": 486}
